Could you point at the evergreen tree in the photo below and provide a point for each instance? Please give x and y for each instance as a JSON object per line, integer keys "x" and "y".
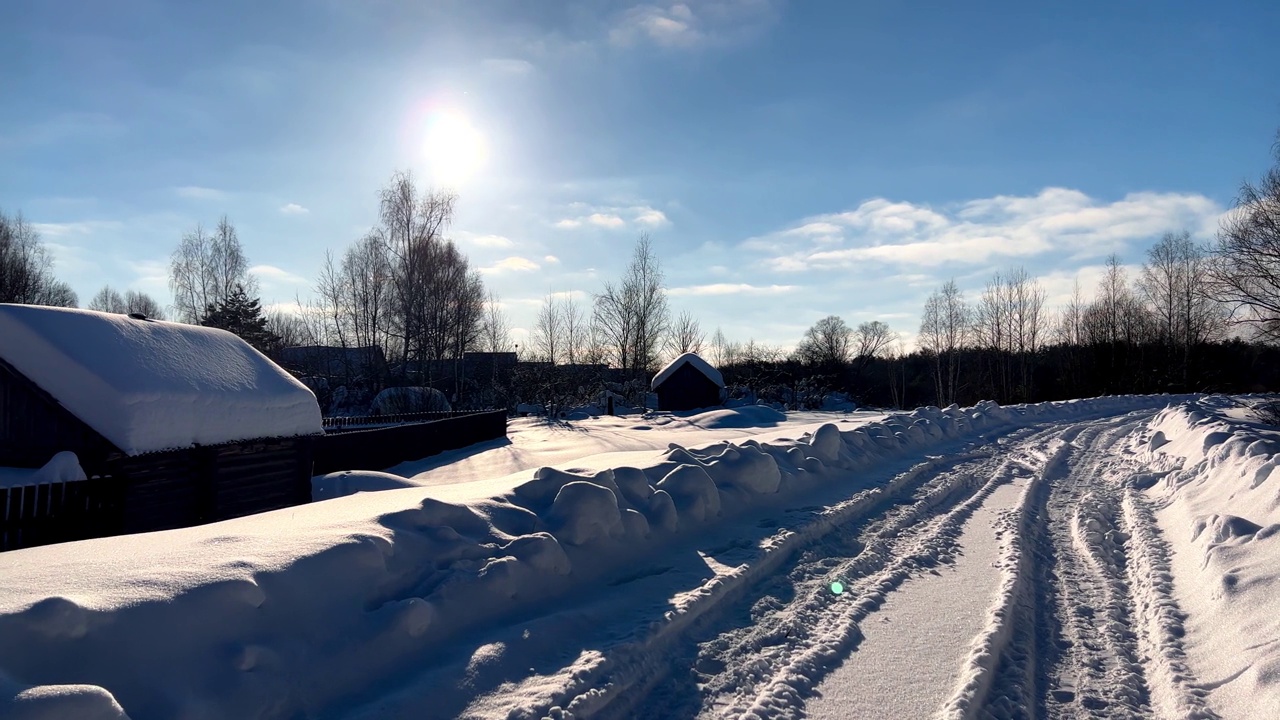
{"x": 241, "y": 315}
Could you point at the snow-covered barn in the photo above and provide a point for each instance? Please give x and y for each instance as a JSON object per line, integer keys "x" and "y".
{"x": 174, "y": 424}
{"x": 688, "y": 383}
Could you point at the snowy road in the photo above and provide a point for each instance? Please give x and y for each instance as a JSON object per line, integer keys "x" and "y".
{"x": 991, "y": 583}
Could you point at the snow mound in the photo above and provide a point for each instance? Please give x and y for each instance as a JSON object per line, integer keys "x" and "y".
{"x": 393, "y": 401}
{"x": 350, "y": 482}
{"x": 698, "y": 363}
{"x": 584, "y": 512}
{"x": 62, "y": 467}
{"x": 748, "y": 416}
{"x": 693, "y": 491}
{"x": 147, "y": 386}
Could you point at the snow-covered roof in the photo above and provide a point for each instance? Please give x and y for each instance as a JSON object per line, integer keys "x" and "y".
{"x": 698, "y": 363}
{"x": 146, "y": 385}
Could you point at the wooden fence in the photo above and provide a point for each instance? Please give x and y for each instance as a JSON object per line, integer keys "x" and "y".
{"x": 181, "y": 488}
{"x": 338, "y": 423}
{"x": 33, "y": 515}
{"x": 381, "y": 448}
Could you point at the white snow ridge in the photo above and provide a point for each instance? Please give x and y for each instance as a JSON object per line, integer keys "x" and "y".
{"x": 1112, "y": 557}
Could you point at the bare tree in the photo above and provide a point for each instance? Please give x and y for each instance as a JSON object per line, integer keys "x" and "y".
{"x": 632, "y": 314}
{"x": 206, "y": 269}
{"x": 1246, "y": 271}
{"x": 26, "y": 268}
{"x": 495, "y": 328}
{"x": 577, "y": 330}
{"x": 1173, "y": 282}
{"x": 108, "y": 300}
{"x": 140, "y": 303}
{"x": 871, "y": 340}
{"x": 547, "y": 338}
{"x": 827, "y": 344}
{"x": 718, "y": 346}
{"x": 685, "y": 335}
{"x": 944, "y": 331}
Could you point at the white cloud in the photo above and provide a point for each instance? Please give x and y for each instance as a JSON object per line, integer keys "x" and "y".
{"x": 693, "y": 23}
{"x": 273, "y": 275}
{"x": 511, "y": 264}
{"x": 293, "y": 209}
{"x": 551, "y": 260}
{"x": 607, "y": 220}
{"x": 651, "y": 217}
{"x": 732, "y": 289}
{"x": 86, "y": 227}
{"x": 507, "y": 66}
{"x": 980, "y": 231}
{"x": 568, "y": 224}
{"x": 486, "y": 241}
{"x": 195, "y": 192}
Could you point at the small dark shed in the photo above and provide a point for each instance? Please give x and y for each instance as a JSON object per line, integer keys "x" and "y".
{"x": 173, "y": 425}
{"x": 688, "y": 383}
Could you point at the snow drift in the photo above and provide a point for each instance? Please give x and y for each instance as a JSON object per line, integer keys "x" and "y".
{"x": 310, "y": 610}
{"x": 1216, "y": 477}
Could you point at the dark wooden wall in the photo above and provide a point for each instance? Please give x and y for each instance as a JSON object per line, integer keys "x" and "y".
{"x": 34, "y": 426}
{"x": 687, "y": 389}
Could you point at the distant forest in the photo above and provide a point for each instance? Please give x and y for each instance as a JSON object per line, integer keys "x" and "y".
{"x": 1195, "y": 318}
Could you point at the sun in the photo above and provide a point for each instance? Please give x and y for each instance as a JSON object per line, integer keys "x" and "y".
{"x": 455, "y": 149}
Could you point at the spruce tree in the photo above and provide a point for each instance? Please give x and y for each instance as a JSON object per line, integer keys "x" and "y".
{"x": 241, "y": 315}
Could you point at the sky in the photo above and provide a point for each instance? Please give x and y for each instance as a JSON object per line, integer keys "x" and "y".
{"x": 790, "y": 160}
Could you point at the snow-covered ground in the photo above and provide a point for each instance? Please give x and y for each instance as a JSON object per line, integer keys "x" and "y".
{"x": 1102, "y": 558}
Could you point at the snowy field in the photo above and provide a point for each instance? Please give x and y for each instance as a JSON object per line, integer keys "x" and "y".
{"x": 1114, "y": 557}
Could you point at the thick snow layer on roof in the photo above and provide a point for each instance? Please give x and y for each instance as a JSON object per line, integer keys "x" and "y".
{"x": 148, "y": 386}
{"x": 691, "y": 358}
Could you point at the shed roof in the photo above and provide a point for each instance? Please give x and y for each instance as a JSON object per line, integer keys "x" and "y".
{"x": 698, "y": 363}
{"x": 147, "y": 385}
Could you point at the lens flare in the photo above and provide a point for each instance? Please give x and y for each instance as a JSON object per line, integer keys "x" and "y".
{"x": 837, "y": 587}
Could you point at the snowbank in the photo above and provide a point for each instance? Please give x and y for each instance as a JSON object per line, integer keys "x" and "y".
{"x": 1216, "y": 476}
{"x": 148, "y": 386}
{"x": 309, "y": 611}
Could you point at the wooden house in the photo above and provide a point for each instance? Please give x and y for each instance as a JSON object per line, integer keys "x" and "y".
{"x": 174, "y": 425}
{"x": 688, "y": 383}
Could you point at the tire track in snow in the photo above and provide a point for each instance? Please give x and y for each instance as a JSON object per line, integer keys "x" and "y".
{"x": 1071, "y": 651}
{"x": 765, "y": 664}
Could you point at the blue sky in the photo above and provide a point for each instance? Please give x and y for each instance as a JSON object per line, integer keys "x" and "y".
{"x": 790, "y": 160}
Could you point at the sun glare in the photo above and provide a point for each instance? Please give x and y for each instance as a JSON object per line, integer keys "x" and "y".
{"x": 455, "y": 149}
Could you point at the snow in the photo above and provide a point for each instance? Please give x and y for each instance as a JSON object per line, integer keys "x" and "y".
{"x": 1215, "y": 489}
{"x": 62, "y": 467}
{"x": 396, "y": 400}
{"x": 147, "y": 385}
{"x": 687, "y": 359}
{"x": 568, "y": 572}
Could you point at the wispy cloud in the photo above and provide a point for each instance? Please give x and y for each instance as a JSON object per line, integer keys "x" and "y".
{"x": 607, "y": 220}
{"x": 507, "y": 66}
{"x": 511, "y": 264}
{"x": 276, "y": 276}
{"x": 693, "y": 23}
{"x": 614, "y": 217}
{"x": 82, "y": 228}
{"x": 731, "y": 289}
{"x": 196, "y": 192}
{"x": 551, "y": 260}
{"x": 485, "y": 241}
{"x": 980, "y": 231}
{"x": 293, "y": 209}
